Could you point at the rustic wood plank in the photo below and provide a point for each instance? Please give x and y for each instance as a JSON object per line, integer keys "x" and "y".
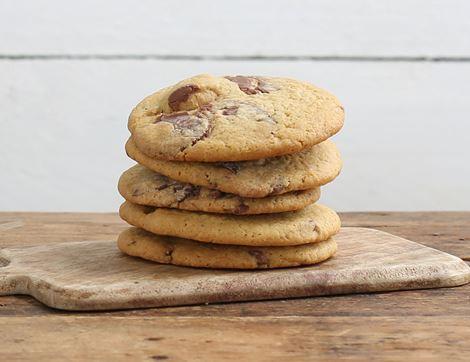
{"x": 431, "y": 324}
{"x": 95, "y": 275}
{"x": 17, "y": 228}
{"x": 418, "y": 303}
{"x": 237, "y": 338}
{"x": 446, "y": 231}
{"x": 245, "y": 27}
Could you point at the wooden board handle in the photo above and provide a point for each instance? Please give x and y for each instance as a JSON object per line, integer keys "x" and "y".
{"x": 10, "y": 278}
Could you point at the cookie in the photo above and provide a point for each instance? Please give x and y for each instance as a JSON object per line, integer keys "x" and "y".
{"x": 308, "y": 169}
{"x": 213, "y": 119}
{"x": 185, "y": 252}
{"x": 142, "y": 186}
{"x": 311, "y": 224}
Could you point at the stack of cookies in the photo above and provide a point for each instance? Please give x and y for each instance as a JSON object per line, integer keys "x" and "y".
{"x": 229, "y": 171}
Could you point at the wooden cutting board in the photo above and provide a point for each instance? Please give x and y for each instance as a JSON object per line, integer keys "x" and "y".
{"x": 94, "y": 275}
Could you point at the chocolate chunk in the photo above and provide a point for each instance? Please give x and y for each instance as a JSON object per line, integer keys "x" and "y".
{"x": 277, "y": 188}
{"x": 158, "y": 177}
{"x": 216, "y": 194}
{"x": 241, "y": 209}
{"x": 265, "y": 87}
{"x": 234, "y": 167}
{"x": 206, "y": 107}
{"x": 260, "y": 256}
{"x": 192, "y": 190}
{"x": 180, "y": 120}
{"x": 182, "y": 192}
{"x": 246, "y": 110}
{"x": 181, "y": 95}
{"x": 230, "y": 111}
{"x": 262, "y": 115}
{"x": 164, "y": 181}
{"x": 252, "y": 85}
{"x": 137, "y": 192}
{"x": 195, "y": 125}
{"x": 148, "y": 209}
{"x": 177, "y": 186}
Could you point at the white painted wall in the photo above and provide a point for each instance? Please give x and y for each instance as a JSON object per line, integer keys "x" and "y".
{"x": 71, "y": 72}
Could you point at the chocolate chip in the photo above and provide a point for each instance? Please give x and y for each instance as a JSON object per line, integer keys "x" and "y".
{"x": 245, "y": 110}
{"x": 163, "y": 181}
{"x": 260, "y": 256}
{"x": 241, "y": 209}
{"x": 233, "y": 167}
{"x": 230, "y": 111}
{"x": 148, "y": 209}
{"x": 181, "y": 190}
{"x": 206, "y": 108}
{"x": 193, "y": 125}
{"x": 252, "y": 85}
{"x": 184, "y": 191}
{"x": 192, "y": 190}
{"x": 137, "y": 192}
{"x": 177, "y": 186}
{"x": 216, "y": 194}
{"x": 276, "y": 189}
{"x": 181, "y": 95}
{"x": 158, "y": 177}
{"x": 266, "y": 87}
{"x": 180, "y": 120}
{"x": 162, "y": 187}
{"x": 262, "y": 115}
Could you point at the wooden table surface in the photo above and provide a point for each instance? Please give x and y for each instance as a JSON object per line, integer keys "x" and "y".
{"x": 411, "y": 325}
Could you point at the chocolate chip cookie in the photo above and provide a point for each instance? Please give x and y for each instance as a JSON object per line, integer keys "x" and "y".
{"x": 145, "y": 187}
{"x": 171, "y": 250}
{"x": 305, "y": 170}
{"x": 233, "y": 118}
{"x": 312, "y": 224}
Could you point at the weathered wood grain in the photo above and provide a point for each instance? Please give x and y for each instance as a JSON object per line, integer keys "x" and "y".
{"x": 237, "y": 338}
{"x": 451, "y": 302}
{"x": 94, "y": 275}
{"x": 422, "y": 28}
{"x": 381, "y": 326}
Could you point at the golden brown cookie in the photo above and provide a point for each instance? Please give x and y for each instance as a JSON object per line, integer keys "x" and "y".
{"x": 308, "y": 169}
{"x": 142, "y": 186}
{"x": 233, "y": 118}
{"x": 312, "y": 224}
{"x": 185, "y": 252}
